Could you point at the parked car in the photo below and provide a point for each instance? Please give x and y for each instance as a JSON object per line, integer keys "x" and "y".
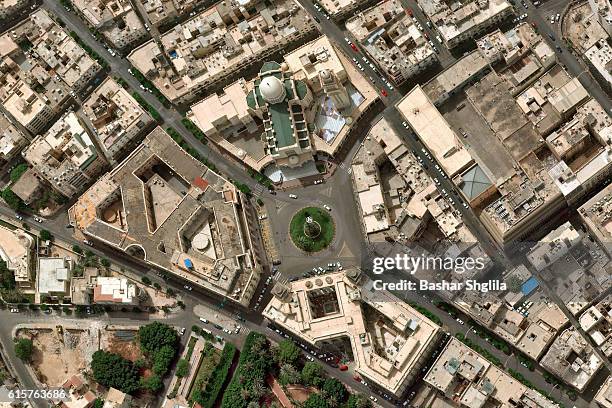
{"x": 292, "y": 196}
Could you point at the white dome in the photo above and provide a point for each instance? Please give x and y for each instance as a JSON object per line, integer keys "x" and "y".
{"x": 272, "y": 89}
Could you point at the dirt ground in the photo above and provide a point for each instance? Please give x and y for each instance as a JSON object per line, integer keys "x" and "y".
{"x": 57, "y": 357}
{"x": 299, "y": 393}
{"x": 126, "y": 349}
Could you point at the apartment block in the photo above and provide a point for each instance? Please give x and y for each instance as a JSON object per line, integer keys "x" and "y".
{"x": 16, "y": 250}
{"x": 66, "y": 156}
{"x": 572, "y": 359}
{"x": 392, "y": 40}
{"x": 12, "y": 140}
{"x": 459, "y": 22}
{"x": 464, "y": 378}
{"x": 169, "y": 211}
{"x": 343, "y": 312}
{"x": 118, "y": 121}
{"x": 212, "y": 46}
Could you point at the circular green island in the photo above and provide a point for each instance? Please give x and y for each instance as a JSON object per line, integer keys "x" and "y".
{"x": 312, "y": 229}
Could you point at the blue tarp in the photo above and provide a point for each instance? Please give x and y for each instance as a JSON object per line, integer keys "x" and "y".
{"x": 529, "y": 286}
{"x": 188, "y": 263}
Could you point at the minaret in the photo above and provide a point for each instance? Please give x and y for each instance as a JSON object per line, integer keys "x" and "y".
{"x": 334, "y": 89}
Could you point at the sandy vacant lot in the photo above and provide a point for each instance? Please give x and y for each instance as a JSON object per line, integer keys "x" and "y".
{"x": 58, "y": 355}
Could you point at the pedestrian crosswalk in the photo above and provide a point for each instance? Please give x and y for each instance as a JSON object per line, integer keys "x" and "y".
{"x": 258, "y": 190}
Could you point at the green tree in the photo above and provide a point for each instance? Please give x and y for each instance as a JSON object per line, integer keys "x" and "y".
{"x": 335, "y": 391}
{"x": 358, "y": 401}
{"x": 7, "y": 278}
{"x": 288, "y": 375}
{"x": 24, "y": 349}
{"x": 98, "y": 403}
{"x": 146, "y": 280}
{"x": 77, "y": 249}
{"x": 156, "y": 335}
{"x": 514, "y": 284}
{"x": 152, "y": 384}
{"x": 182, "y": 368}
{"x": 105, "y": 262}
{"x": 312, "y": 374}
{"x": 45, "y": 235}
{"x": 18, "y": 171}
{"x": 162, "y": 359}
{"x": 316, "y": 401}
{"x": 287, "y": 352}
{"x": 112, "y": 370}
{"x": 12, "y": 200}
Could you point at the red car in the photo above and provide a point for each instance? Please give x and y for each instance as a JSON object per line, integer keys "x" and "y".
{"x": 343, "y": 367}
{"x": 426, "y": 36}
{"x": 354, "y": 48}
{"x": 384, "y": 93}
{"x": 409, "y": 12}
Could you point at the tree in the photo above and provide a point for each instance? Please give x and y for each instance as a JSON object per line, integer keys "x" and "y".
{"x": 45, "y": 235}
{"x": 23, "y": 349}
{"x": 152, "y": 384}
{"x": 7, "y": 278}
{"x": 287, "y": 352}
{"x": 18, "y": 171}
{"x": 288, "y": 375}
{"x": 358, "y": 401}
{"x": 335, "y": 391}
{"x": 316, "y": 401}
{"x": 77, "y": 249}
{"x": 112, "y": 370}
{"x": 514, "y": 284}
{"x": 162, "y": 359}
{"x": 98, "y": 403}
{"x": 105, "y": 262}
{"x": 146, "y": 280}
{"x": 182, "y": 368}
{"x": 312, "y": 374}
{"x": 156, "y": 335}
{"x": 12, "y": 200}
{"x": 170, "y": 292}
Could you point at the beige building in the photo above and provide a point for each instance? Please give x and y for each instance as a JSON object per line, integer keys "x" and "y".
{"x": 524, "y": 54}
{"x": 114, "y": 291}
{"x": 389, "y": 341}
{"x": 210, "y": 47}
{"x": 29, "y": 187}
{"x": 12, "y": 140}
{"x": 460, "y": 23}
{"x": 16, "y": 250}
{"x": 596, "y": 321}
{"x": 604, "y": 396}
{"x": 116, "y": 20}
{"x": 119, "y": 122}
{"x": 35, "y": 85}
{"x": 163, "y": 207}
{"x": 392, "y": 40}
{"x": 66, "y": 156}
{"x": 572, "y": 359}
{"x": 402, "y": 210}
{"x": 467, "y": 379}
{"x": 597, "y": 216}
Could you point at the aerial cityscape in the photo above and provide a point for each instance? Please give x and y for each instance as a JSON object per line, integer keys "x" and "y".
{"x": 305, "y": 203}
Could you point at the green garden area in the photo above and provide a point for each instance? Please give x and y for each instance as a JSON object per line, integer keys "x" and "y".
{"x": 312, "y": 229}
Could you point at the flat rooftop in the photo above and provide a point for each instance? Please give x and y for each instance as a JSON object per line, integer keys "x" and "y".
{"x": 163, "y": 206}
{"x": 433, "y": 130}
{"x": 387, "y": 336}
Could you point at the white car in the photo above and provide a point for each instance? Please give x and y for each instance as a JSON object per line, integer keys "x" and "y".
{"x": 373, "y": 398}
{"x": 404, "y": 124}
{"x": 327, "y": 207}
{"x": 292, "y": 196}
{"x": 187, "y": 287}
{"x": 459, "y": 321}
{"x": 182, "y": 331}
{"x": 130, "y": 71}
{"x": 14, "y": 310}
{"x": 262, "y": 217}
